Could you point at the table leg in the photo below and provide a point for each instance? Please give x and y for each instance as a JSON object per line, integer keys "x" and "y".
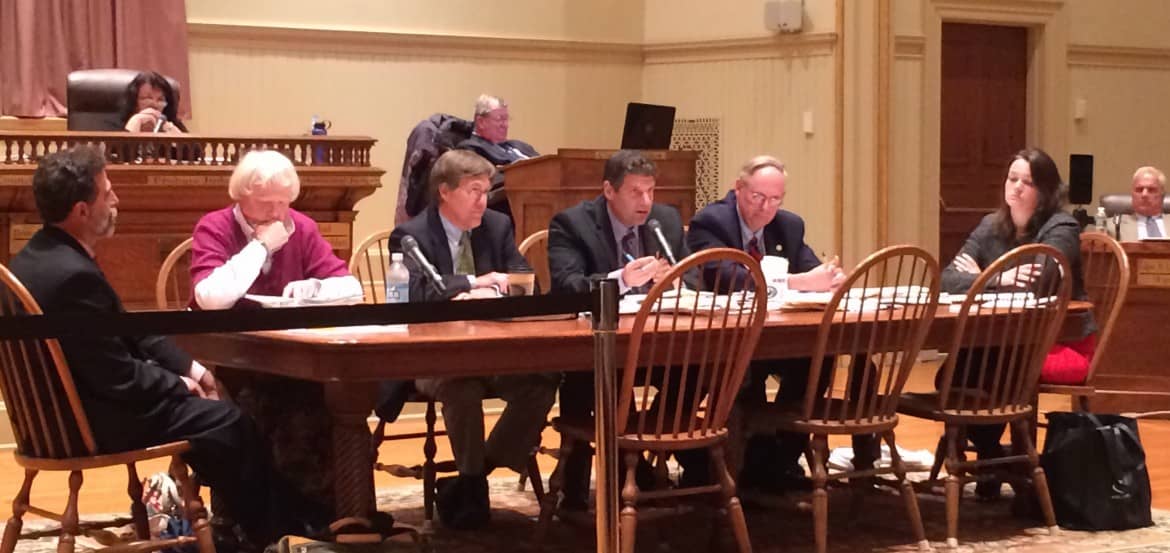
{"x": 605, "y": 409}
{"x": 349, "y": 407}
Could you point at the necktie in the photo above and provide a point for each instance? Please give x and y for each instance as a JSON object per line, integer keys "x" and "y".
{"x": 753, "y": 249}
{"x": 629, "y": 245}
{"x": 464, "y": 261}
{"x": 1152, "y": 228}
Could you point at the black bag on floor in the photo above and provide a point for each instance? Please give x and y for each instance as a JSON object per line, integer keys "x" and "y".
{"x": 1096, "y": 471}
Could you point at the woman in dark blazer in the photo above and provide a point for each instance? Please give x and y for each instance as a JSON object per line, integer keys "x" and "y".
{"x": 1030, "y": 213}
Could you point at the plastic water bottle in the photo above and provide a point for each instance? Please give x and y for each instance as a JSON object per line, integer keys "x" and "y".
{"x": 397, "y": 280}
{"x": 1099, "y": 219}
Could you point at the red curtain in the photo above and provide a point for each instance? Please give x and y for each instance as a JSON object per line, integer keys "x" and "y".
{"x": 41, "y": 41}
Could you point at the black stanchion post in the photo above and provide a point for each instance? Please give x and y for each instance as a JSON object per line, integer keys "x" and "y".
{"x": 605, "y": 316}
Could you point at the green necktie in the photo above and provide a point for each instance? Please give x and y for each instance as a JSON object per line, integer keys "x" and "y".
{"x": 464, "y": 261}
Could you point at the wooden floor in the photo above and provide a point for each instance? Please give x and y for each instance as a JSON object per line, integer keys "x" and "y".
{"x": 104, "y": 491}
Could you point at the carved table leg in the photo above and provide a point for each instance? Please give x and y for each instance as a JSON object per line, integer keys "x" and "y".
{"x": 349, "y": 404}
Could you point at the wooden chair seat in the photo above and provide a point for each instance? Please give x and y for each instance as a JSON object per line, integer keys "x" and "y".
{"x": 789, "y": 417}
{"x": 584, "y": 429}
{"x": 100, "y": 461}
{"x": 924, "y": 405}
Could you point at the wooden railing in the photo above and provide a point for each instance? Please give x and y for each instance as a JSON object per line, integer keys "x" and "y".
{"x": 20, "y": 148}
{"x": 166, "y": 182}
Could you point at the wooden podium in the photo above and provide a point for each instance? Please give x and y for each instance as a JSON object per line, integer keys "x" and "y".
{"x": 540, "y": 187}
{"x": 165, "y": 183}
{"x": 1134, "y": 374}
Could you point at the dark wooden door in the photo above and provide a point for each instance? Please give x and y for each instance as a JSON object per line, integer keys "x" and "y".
{"x": 984, "y": 110}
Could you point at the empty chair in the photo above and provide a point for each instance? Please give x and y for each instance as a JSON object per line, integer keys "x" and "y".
{"x": 534, "y": 248}
{"x": 172, "y": 288}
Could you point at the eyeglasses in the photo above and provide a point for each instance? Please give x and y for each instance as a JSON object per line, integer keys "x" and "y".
{"x": 760, "y": 199}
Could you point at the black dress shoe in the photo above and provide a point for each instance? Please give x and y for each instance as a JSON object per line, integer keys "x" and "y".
{"x": 462, "y": 502}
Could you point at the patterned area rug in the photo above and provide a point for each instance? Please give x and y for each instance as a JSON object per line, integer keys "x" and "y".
{"x": 879, "y": 525}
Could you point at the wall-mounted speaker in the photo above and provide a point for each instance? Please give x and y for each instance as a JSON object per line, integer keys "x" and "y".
{"x": 1080, "y": 179}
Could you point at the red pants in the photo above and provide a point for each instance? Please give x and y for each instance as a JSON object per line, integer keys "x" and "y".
{"x": 1068, "y": 362}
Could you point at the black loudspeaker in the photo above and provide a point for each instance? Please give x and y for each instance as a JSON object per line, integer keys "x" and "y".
{"x": 1080, "y": 179}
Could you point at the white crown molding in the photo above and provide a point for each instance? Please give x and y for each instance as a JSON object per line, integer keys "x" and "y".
{"x": 994, "y": 10}
{"x": 768, "y": 47}
{"x": 1118, "y": 57}
{"x": 409, "y": 44}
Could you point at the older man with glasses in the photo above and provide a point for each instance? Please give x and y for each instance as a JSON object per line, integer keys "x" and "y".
{"x": 749, "y": 218}
{"x": 490, "y": 140}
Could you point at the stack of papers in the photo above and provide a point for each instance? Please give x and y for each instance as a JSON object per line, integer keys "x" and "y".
{"x": 281, "y": 301}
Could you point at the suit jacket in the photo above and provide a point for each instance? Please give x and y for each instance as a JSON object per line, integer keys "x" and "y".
{"x": 493, "y": 245}
{"x": 1123, "y": 227}
{"x": 717, "y": 226}
{"x": 125, "y": 383}
{"x": 581, "y": 245}
{"x": 498, "y": 154}
{"x": 1060, "y": 231}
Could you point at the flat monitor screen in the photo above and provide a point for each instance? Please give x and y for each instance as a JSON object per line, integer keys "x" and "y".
{"x": 648, "y": 127}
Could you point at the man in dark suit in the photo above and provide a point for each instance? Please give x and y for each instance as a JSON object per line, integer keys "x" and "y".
{"x": 607, "y": 237}
{"x": 138, "y": 391}
{"x": 749, "y": 218}
{"x": 473, "y": 250}
{"x": 490, "y": 141}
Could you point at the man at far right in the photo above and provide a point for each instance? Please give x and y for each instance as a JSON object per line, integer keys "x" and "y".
{"x": 1149, "y": 187}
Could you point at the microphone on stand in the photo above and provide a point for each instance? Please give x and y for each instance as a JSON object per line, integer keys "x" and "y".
{"x": 410, "y": 247}
{"x": 656, "y": 229}
{"x": 159, "y": 123}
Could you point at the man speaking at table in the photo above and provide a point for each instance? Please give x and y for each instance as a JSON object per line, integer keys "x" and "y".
{"x": 472, "y": 250}
{"x": 610, "y": 237}
{"x": 139, "y": 391}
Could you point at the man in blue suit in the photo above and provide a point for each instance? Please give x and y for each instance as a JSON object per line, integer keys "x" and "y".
{"x": 749, "y": 218}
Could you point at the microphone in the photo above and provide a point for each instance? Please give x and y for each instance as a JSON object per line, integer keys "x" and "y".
{"x": 663, "y": 245}
{"x": 162, "y": 118}
{"x": 410, "y": 246}
{"x": 1116, "y": 226}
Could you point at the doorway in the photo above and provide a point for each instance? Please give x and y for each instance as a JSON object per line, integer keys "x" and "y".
{"x": 983, "y": 122}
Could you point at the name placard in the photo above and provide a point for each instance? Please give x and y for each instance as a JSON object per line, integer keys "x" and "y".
{"x": 1154, "y": 273}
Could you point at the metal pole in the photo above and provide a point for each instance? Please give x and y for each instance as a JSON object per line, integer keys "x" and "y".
{"x": 605, "y": 316}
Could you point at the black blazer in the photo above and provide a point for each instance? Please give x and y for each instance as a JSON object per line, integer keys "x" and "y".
{"x": 581, "y": 244}
{"x": 498, "y": 154}
{"x": 493, "y": 244}
{"x": 125, "y": 383}
{"x": 717, "y": 226}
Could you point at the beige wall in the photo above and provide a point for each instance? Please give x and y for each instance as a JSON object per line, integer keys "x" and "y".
{"x": 692, "y": 20}
{"x": 710, "y": 59}
{"x": 380, "y": 84}
{"x": 592, "y": 20}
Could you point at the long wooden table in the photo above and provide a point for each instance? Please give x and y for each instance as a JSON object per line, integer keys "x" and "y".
{"x": 347, "y": 362}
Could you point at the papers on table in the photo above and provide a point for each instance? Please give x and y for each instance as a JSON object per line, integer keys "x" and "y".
{"x": 280, "y": 301}
{"x": 338, "y": 331}
{"x": 685, "y": 301}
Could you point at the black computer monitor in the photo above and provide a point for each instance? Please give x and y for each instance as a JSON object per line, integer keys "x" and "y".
{"x": 648, "y": 127}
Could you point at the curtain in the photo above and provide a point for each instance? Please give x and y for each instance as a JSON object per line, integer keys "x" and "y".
{"x": 41, "y": 41}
